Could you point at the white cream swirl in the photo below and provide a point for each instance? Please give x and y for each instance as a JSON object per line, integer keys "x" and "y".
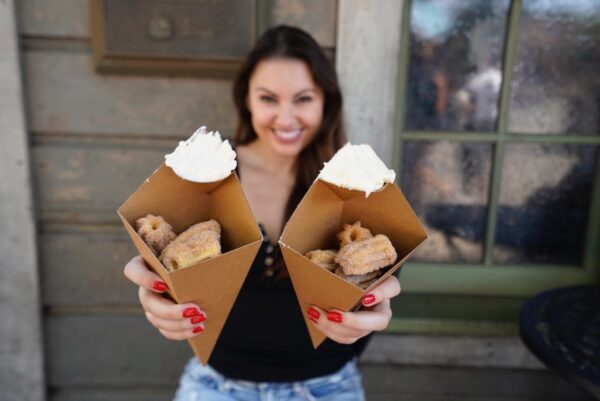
{"x": 357, "y": 167}
{"x": 204, "y": 157}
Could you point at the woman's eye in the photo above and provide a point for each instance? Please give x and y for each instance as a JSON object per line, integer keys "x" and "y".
{"x": 267, "y": 99}
{"x": 304, "y": 99}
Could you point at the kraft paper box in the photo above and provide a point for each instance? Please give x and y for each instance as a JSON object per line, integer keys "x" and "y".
{"x": 314, "y": 225}
{"x": 212, "y": 284}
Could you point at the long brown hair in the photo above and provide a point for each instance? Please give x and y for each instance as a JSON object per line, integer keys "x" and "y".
{"x": 293, "y": 43}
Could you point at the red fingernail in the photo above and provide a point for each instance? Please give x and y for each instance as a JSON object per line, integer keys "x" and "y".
{"x": 198, "y": 319}
{"x": 191, "y": 312}
{"x": 312, "y": 319}
{"x": 368, "y": 299}
{"x": 312, "y": 312}
{"x": 335, "y": 317}
{"x": 197, "y": 329}
{"x": 159, "y": 286}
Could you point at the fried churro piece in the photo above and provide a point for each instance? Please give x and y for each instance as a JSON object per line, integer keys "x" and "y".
{"x": 323, "y": 258}
{"x": 155, "y": 232}
{"x": 189, "y": 250}
{"x": 353, "y": 232}
{"x": 200, "y": 241}
{"x": 360, "y": 257}
{"x": 358, "y": 279}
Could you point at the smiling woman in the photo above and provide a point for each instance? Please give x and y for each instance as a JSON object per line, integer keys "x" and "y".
{"x": 286, "y": 105}
{"x": 289, "y": 109}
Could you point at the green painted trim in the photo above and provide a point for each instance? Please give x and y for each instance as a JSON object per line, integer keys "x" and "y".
{"x": 510, "y": 50}
{"x": 462, "y": 327}
{"x": 263, "y": 12}
{"x": 493, "y": 137}
{"x": 591, "y": 255}
{"x": 456, "y": 307}
{"x": 515, "y": 281}
{"x": 403, "y": 64}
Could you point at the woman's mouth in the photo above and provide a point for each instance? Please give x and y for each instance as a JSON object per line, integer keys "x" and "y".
{"x": 288, "y": 136}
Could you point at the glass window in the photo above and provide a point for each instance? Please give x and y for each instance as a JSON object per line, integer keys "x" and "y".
{"x": 556, "y": 84}
{"x": 544, "y": 203}
{"x": 447, "y": 184}
{"x": 455, "y": 69}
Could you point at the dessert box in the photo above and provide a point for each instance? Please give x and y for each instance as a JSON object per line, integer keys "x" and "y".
{"x": 212, "y": 284}
{"x": 314, "y": 225}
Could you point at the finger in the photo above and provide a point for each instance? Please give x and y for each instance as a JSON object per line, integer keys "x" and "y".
{"x": 167, "y": 309}
{"x": 337, "y": 331}
{"x": 137, "y": 272}
{"x": 175, "y": 325}
{"x": 388, "y": 288}
{"x": 376, "y": 318}
{"x": 181, "y": 335}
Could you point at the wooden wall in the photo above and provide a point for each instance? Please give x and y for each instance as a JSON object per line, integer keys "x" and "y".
{"x": 93, "y": 139}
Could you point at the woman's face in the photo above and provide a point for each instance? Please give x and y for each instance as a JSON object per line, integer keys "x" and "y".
{"x": 286, "y": 105}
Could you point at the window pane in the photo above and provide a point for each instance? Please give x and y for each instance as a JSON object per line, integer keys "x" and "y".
{"x": 556, "y": 85}
{"x": 455, "y": 69}
{"x": 447, "y": 185}
{"x": 544, "y": 203}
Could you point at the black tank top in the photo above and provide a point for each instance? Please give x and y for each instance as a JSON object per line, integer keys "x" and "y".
{"x": 265, "y": 337}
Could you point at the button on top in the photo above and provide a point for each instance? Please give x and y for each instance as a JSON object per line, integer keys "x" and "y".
{"x": 269, "y": 249}
{"x": 268, "y": 261}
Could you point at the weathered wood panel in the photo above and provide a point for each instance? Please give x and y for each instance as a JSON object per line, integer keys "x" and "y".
{"x": 70, "y": 18}
{"x": 111, "y": 350}
{"x": 59, "y": 18}
{"x": 409, "y": 383}
{"x": 85, "y": 267}
{"x": 65, "y": 95}
{"x": 21, "y": 376}
{"x": 147, "y": 393}
{"x": 316, "y": 17}
{"x": 368, "y": 67}
{"x": 79, "y": 182}
{"x": 497, "y": 352}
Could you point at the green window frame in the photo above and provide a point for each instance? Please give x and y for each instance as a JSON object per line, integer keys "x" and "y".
{"x": 440, "y": 294}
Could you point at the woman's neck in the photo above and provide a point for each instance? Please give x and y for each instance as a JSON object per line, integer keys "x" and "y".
{"x": 269, "y": 161}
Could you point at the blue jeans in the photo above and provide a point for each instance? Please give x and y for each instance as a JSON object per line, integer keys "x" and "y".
{"x": 200, "y": 383}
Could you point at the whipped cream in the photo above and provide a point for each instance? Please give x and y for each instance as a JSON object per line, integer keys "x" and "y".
{"x": 357, "y": 167}
{"x": 204, "y": 157}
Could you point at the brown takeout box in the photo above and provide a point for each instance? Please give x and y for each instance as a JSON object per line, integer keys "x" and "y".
{"x": 314, "y": 225}
{"x": 212, "y": 284}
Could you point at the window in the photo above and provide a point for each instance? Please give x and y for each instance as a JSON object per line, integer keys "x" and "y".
{"x": 498, "y": 137}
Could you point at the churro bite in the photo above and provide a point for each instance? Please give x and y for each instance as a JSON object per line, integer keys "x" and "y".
{"x": 155, "y": 232}
{"x": 361, "y": 256}
{"x": 323, "y": 258}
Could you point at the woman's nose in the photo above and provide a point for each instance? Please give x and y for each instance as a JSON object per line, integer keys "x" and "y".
{"x": 286, "y": 116}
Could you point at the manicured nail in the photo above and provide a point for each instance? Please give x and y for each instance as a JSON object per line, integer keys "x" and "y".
{"x": 312, "y": 312}
{"x": 312, "y": 319}
{"x": 191, "y": 312}
{"x": 335, "y": 316}
{"x": 197, "y": 329}
{"x": 368, "y": 299}
{"x": 198, "y": 319}
{"x": 159, "y": 286}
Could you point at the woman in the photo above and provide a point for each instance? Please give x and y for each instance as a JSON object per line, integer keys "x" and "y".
{"x": 289, "y": 107}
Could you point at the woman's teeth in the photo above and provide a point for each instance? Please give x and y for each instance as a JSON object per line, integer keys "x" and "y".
{"x": 288, "y": 135}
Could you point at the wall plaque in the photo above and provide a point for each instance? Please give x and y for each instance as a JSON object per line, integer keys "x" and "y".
{"x": 175, "y": 37}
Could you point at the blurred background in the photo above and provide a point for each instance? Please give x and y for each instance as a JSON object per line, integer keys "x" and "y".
{"x": 489, "y": 111}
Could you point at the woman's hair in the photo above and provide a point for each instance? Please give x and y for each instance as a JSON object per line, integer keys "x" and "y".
{"x": 292, "y": 43}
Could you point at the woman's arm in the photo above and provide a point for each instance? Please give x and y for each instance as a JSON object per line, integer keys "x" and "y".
{"x": 174, "y": 321}
{"x": 348, "y": 327}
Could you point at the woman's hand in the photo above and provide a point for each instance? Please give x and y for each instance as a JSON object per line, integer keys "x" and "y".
{"x": 348, "y": 327}
{"x": 174, "y": 321}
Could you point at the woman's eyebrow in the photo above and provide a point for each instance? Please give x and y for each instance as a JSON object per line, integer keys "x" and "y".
{"x": 305, "y": 90}
{"x": 261, "y": 88}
